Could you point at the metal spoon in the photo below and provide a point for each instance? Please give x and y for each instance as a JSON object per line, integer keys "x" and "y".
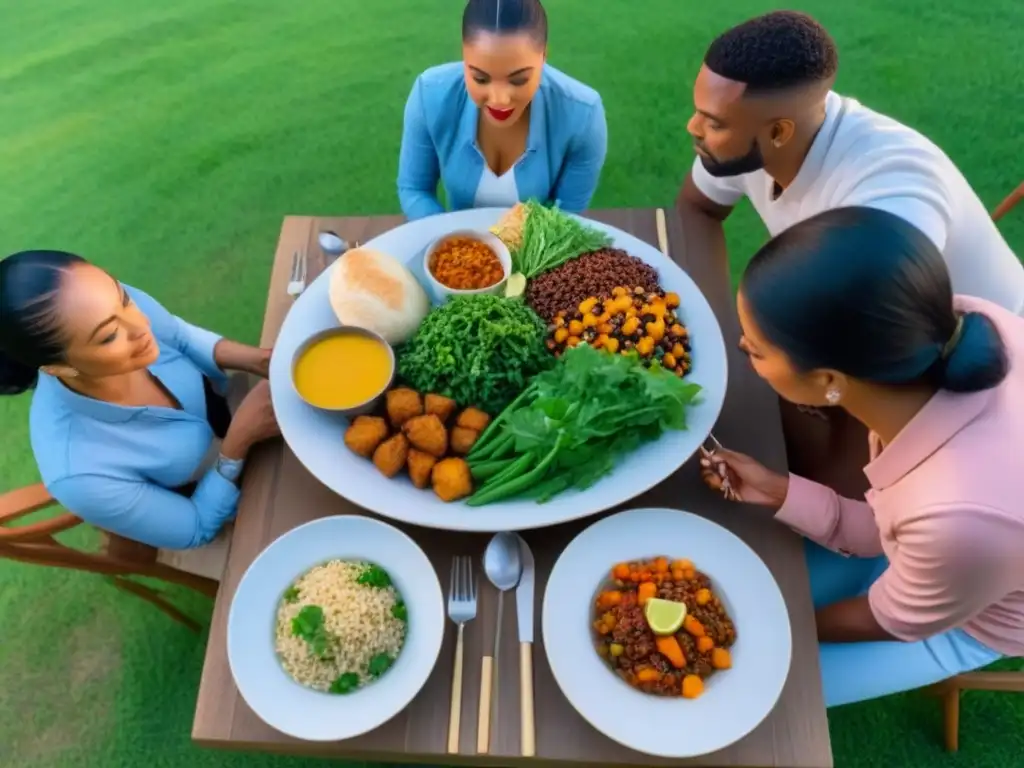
{"x": 504, "y": 567}
{"x": 331, "y": 244}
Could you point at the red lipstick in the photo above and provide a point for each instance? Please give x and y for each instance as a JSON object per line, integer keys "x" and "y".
{"x": 501, "y": 115}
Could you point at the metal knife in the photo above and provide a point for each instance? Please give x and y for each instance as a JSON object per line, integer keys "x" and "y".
{"x": 524, "y": 614}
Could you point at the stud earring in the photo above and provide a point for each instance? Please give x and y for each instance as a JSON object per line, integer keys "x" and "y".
{"x": 832, "y": 396}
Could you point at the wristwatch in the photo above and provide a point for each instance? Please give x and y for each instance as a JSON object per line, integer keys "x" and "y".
{"x": 229, "y": 469}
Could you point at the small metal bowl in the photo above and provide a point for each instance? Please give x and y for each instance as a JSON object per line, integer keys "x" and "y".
{"x": 359, "y": 408}
{"x": 441, "y": 291}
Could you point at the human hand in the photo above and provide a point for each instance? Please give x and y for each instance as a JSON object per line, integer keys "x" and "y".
{"x": 253, "y": 422}
{"x": 742, "y": 478}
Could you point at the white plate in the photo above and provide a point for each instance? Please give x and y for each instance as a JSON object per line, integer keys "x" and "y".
{"x": 302, "y": 712}
{"x": 316, "y": 437}
{"x": 735, "y": 701}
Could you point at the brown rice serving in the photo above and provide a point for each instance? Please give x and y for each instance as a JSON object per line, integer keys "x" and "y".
{"x": 340, "y": 626}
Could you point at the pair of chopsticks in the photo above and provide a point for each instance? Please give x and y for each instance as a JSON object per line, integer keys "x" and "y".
{"x": 716, "y": 466}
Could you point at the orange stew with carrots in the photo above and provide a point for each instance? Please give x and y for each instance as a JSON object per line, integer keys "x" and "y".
{"x": 676, "y": 664}
{"x": 465, "y": 264}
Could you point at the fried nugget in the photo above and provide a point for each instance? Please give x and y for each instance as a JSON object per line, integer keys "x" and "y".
{"x": 391, "y": 455}
{"x": 403, "y": 404}
{"x": 473, "y": 418}
{"x": 441, "y": 406}
{"x": 452, "y": 479}
{"x": 420, "y": 465}
{"x": 365, "y": 434}
{"x": 427, "y": 434}
{"x": 463, "y": 439}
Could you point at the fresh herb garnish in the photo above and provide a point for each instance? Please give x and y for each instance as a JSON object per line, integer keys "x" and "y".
{"x": 309, "y": 625}
{"x": 291, "y": 595}
{"x": 374, "y": 576}
{"x": 551, "y": 237}
{"x": 346, "y": 683}
{"x": 380, "y": 664}
{"x": 572, "y": 424}
{"x": 399, "y": 611}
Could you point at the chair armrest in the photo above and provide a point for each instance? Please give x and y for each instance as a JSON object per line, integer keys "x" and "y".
{"x": 24, "y": 501}
{"x": 1011, "y": 200}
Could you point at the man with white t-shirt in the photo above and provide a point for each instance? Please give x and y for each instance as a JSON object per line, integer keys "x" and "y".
{"x": 768, "y": 126}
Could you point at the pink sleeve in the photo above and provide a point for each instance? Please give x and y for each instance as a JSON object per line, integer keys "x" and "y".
{"x": 822, "y": 515}
{"x": 950, "y": 563}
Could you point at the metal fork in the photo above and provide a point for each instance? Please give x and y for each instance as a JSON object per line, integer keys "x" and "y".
{"x": 297, "y": 281}
{"x": 461, "y": 610}
{"x": 728, "y": 491}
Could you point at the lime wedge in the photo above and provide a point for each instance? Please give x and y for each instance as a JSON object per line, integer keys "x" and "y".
{"x": 516, "y": 285}
{"x": 664, "y": 617}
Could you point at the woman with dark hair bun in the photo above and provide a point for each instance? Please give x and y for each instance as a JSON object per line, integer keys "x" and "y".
{"x": 501, "y": 126}
{"x": 924, "y": 578}
{"x": 128, "y": 424}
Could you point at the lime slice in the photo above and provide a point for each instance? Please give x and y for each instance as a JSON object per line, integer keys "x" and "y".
{"x": 664, "y": 617}
{"x": 516, "y": 285}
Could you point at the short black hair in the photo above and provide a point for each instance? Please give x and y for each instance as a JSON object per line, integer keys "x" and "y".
{"x": 863, "y": 292}
{"x": 774, "y": 52}
{"x": 505, "y": 17}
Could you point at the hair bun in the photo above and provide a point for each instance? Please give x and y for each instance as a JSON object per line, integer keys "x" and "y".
{"x": 15, "y": 378}
{"x": 977, "y": 359}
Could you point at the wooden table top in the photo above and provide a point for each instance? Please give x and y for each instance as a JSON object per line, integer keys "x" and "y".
{"x": 279, "y": 494}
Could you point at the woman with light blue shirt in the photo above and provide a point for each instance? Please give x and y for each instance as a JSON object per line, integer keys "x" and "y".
{"x": 502, "y": 126}
{"x": 127, "y": 424}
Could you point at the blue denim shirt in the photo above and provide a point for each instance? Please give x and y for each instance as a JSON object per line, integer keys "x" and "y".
{"x": 565, "y": 148}
{"x": 114, "y": 466}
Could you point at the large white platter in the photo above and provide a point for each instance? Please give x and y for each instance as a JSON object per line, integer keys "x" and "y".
{"x": 316, "y": 438}
{"x": 735, "y": 701}
{"x": 302, "y": 712}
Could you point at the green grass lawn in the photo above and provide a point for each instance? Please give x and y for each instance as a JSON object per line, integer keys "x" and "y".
{"x": 167, "y": 140}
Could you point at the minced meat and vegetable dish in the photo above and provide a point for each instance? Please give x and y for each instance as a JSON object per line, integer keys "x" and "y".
{"x": 661, "y": 627}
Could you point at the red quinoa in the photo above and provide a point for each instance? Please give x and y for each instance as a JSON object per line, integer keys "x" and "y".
{"x": 592, "y": 274}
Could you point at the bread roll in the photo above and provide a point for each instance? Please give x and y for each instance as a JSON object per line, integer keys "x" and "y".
{"x": 372, "y": 290}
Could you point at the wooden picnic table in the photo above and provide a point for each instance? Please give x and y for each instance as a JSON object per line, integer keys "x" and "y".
{"x": 279, "y": 494}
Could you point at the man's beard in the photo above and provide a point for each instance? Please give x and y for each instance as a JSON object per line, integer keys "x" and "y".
{"x": 748, "y": 163}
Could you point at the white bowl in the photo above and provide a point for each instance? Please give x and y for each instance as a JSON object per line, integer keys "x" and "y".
{"x": 302, "y": 712}
{"x": 440, "y": 291}
{"x": 735, "y": 701}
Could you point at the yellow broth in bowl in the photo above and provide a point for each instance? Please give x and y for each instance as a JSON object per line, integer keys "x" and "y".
{"x": 344, "y": 369}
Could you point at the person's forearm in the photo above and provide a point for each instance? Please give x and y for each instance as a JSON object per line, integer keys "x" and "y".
{"x": 233, "y": 356}
{"x": 849, "y": 621}
{"x": 705, "y": 237}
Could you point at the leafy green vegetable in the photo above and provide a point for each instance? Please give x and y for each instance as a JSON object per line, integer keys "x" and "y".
{"x": 570, "y": 427}
{"x": 552, "y": 237}
{"x": 478, "y": 350}
{"x": 400, "y": 612}
{"x": 346, "y": 683}
{"x": 374, "y": 576}
{"x": 291, "y": 595}
{"x": 380, "y": 664}
{"x": 309, "y": 625}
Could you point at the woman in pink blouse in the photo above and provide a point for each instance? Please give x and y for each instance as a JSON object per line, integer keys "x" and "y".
{"x": 924, "y": 578}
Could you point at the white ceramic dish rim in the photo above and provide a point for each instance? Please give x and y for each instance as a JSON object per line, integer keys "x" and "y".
{"x": 316, "y": 437}
{"x": 264, "y": 685}
{"x": 738, "y": 699}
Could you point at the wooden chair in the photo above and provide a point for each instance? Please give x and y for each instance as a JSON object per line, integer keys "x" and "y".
{"x": 949, "y": 692}
{"x": 118, "y": 558}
